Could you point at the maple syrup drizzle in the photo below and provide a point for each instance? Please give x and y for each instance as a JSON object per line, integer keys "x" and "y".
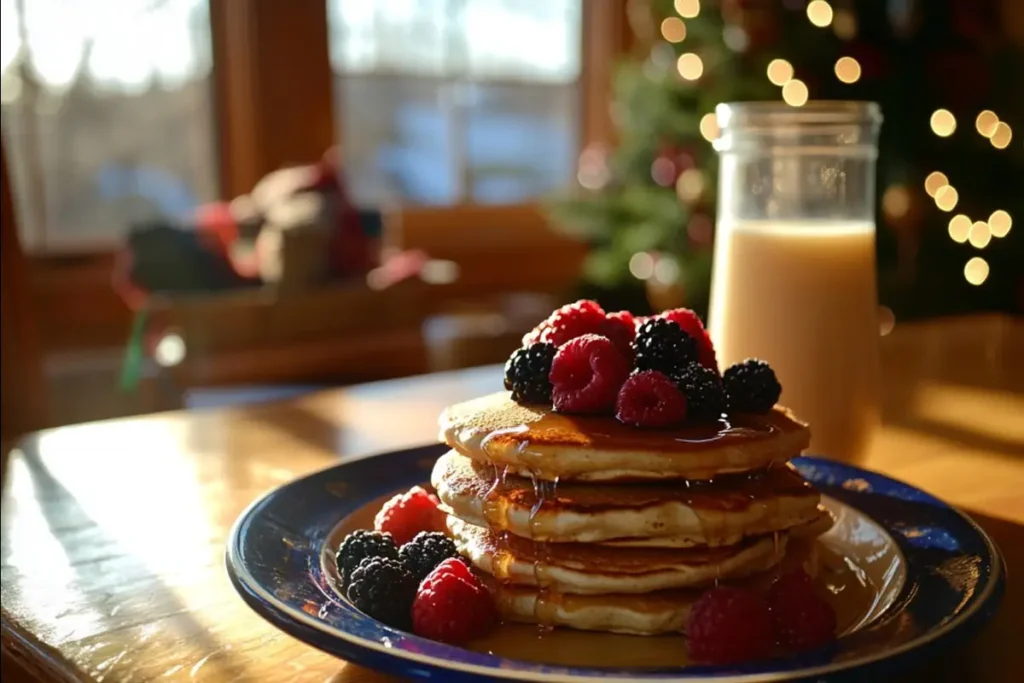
{"x": 549, "y": 599}
{"x": 496, "y": 514}
{"x": 846, "y": 585}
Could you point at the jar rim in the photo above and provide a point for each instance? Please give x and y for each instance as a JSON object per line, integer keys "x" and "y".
{"x": 756, "y": 114}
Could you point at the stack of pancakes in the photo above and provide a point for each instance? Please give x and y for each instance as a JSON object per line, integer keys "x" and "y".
{"x": 586, "y": 523}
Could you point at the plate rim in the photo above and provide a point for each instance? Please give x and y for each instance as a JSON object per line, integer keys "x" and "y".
{"x": 262, "y": 602}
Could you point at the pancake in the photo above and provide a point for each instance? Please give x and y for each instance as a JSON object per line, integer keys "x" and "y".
{"x": 587, "y": 568}
{"x": 644, "y": 615}
{"x": 535, "y": 440}
{"x": 715, "y": 513}
{"x": 660, "y": 612}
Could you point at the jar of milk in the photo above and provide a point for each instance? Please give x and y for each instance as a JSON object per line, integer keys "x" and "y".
{"x": 794, "y": 279}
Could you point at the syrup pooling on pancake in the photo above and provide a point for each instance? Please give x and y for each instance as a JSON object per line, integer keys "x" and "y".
{"x": 587, "y": 568}
{"x": 673, "y": 514}
{"x": 536, "y": 441}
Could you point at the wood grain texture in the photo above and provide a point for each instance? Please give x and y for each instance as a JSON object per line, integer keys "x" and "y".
{"x": 113, "y": 532}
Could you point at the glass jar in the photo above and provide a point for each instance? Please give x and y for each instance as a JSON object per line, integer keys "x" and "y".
{"x": 794, "y": 275}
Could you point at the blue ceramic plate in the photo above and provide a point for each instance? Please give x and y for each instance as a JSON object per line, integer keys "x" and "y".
{"x": 935, "y": 576}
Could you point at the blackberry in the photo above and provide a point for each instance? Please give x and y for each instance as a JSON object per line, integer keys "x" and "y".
{"x": 664, "y": 346}
{"x": 384, "y": 588}
{"x": 706, "y": 399}
{"x": 424, "y": 552}
{"x": 360, "y": 545}
{"x": 526, "y": 373}
{"x": 751, "y": 386}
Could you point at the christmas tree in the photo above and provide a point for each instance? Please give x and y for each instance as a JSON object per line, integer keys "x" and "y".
{"x": 947, "y": 80}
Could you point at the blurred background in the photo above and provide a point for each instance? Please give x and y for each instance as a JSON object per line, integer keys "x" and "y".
{"x": 208, "y": 202}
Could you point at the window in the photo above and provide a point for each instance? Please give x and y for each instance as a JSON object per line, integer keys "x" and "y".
{"x": 444, "y": 102}
{"x": 107, "y": 115}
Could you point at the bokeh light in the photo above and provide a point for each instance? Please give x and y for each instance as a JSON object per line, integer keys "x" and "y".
{"x": 690, "y": 66}
{"x": 946, "y": 198}
{"x": 820, "y": 13}
{"x": 848, "y": 70}
{"x": 980, "y": 235}
{"x": 673, "y": 29}
{"x": 999, "y": 223}
{"x": 795, "y": 93}
{"x": 709, "y": 126}
{"x": 896, "y": 201}
{"x": 943, "y": 123}
{"x": 986, "y": 122}
{"x": 1001, "y": 135}
{"x": 780, "y": 72}
{"x": 959, "y": 228}
{"x": 688, "y": 9}
{"x": 690, "y": 185}
{"x": 844, "y": 23}
{"x": 641, "y": 265}
{"x": 935, "y": 181}
{"x": 976, "y": 271}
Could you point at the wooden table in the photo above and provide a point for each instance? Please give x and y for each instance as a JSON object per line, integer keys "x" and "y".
{"x": 113, "y": 532}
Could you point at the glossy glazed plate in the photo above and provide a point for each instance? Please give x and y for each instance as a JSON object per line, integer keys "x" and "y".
{"x": 933, "y": 576}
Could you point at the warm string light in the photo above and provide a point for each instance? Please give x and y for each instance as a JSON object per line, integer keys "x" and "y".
{"x": 690, "y": 66}
{"x": 709, "y": 126}
{"x": 943, "y": 123}
{"x": 999, "y": 223}
{"x": 820, "y": 13}
{"x": 980, "y": 233}
{"x": 848, "y": 70}
{"x": 690, "y": 185}
{"x": 946, "y": 198}
{"x": 780, "y": 72}
{"x": 673, "y": 29}
{"x": 985, "y": 123}
{"x": 1001, "y": 135}
{"x": 959, "y": 228}
{"x": 688, "y": 9}
{"x": 896, "y": 201}
{"x": 935, "y": 181}
{"x": 976, "y": 271}
{"x": 980, "y": 236}
{"x": 794, "y": 93}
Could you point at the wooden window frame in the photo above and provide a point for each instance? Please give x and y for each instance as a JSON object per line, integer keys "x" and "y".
{"x": 274, "y": 104}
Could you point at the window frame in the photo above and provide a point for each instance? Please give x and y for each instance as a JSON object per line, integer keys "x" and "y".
{"x": 273, "y": 102}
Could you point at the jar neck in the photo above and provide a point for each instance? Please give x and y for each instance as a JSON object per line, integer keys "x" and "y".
{"x": 842, "y": 129}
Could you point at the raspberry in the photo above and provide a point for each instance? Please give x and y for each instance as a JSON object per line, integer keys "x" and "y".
{"x": 586, "y": 375}
{"x": 801, "y": 617}
{"x": 360, "y": 545}
{"x": 664, "y": 346}
{"x": 620, "y": 327}
{"x": 650, "y": 399}
{"x": 728, "y": 625}
{"x": 409, "y": 513}
{"x": 526, "y": 373}
{"x": 705, "y": 395}
{"x": 384, "y": 589}
{"x": 568, "y": 322}
{"x": 692, "y": 325}
{"x": 424, "y": 552}
{"x": 752, "y": 386}
{"x": 452, "y": 606}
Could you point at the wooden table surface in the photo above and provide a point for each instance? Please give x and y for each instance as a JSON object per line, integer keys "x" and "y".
{"x": 113, "y": 532}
